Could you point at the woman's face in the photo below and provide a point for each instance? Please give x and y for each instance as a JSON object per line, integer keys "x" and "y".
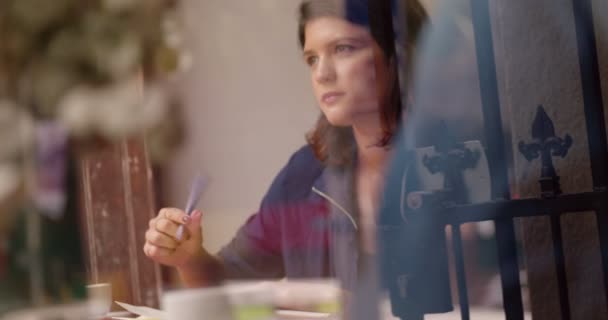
{"x": 350, "y": 76}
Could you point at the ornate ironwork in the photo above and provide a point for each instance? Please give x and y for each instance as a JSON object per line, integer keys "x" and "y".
{"x": 546, "y": 145}
{"x": 451, "y": 159}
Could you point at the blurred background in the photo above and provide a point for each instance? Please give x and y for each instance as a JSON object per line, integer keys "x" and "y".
{"x": 227, "y": 95}
{"x": 247, "y": 103}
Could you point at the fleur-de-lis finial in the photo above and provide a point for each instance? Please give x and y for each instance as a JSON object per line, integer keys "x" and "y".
{"x": 546, "y": 145}
{"x": 542, "y": 126}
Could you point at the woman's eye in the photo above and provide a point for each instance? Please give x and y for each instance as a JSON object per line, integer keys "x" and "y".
{"x": 343, "y": 48}
{"x": 311, "y": 60}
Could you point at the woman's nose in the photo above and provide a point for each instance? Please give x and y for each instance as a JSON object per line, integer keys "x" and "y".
{"x": 325, "y": 71}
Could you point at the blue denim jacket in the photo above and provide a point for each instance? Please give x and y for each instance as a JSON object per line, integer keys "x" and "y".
{"x": 305, "y": 227}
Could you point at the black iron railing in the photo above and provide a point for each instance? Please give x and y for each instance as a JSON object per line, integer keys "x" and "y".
{"x": 502, "y": 209}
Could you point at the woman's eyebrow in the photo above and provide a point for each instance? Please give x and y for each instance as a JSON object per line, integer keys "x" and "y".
{"x": 358, "y": 40}
{"x": 307, "y": 53}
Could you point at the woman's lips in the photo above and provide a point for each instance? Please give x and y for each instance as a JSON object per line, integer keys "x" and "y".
{"x": 330, "y": 98}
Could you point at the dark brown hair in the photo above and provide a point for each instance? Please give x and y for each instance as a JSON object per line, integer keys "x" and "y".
{"x": 335, "y": 145}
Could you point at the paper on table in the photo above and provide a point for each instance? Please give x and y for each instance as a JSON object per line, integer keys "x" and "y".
{"x": 295, "y": 314}
{"x": 142, "y": 312}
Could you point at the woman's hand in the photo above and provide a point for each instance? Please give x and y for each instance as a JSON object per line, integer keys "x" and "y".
{"x": 162, "y": 244}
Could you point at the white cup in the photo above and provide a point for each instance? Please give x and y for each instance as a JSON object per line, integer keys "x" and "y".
{"x": 196, "y": 304}
{"x": 251, "y": 300}
{"x": 99, "y": 298}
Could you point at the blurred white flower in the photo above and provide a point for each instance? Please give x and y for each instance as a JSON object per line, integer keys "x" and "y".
{"x": 87, "y": 76}
{"x": 185, "y": 61}
{"x": 154, "y": 108}
{"x": 76, "y": 111}
{"x": 114, "y": 111}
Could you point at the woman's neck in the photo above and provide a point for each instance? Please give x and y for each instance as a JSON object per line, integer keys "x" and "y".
{"x": 370, "y": 155}
{"x": 369, "y": 177}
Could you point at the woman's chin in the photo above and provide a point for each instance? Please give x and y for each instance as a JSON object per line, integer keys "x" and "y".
{"x": 341, "y": 122}
{"x": 338, "y": 119}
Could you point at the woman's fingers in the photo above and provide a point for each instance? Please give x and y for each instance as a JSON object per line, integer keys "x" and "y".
{"x": 156, "y": 252}
{"x": 194, "y": 227}
{"x": 166, "y": 226}
{"x": 176, "y": 215}
{"x": 160, "y": 239}
{"x": 161, "y": 243}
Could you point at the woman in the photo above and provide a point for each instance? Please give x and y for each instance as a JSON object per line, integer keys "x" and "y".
{"x": 317, "y": 218}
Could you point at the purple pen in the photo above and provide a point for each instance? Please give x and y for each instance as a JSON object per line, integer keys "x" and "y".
{"x": 199, "y": 184}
